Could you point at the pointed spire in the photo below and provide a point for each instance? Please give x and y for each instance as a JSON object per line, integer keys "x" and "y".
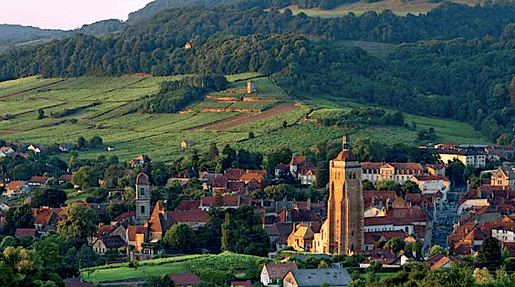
{"x": 345, "y": 143}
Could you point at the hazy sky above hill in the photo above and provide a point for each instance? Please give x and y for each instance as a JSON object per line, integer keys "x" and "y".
{"x": 65, "y": 14}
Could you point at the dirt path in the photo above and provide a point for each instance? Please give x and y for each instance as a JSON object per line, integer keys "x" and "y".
{"x": 247, "y": 118}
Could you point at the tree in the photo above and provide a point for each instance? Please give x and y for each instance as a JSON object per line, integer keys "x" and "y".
{"x": 81, "y": 143}
{"x": 179, "y": 237}
{"x": 41, "y": 114}
{"x": 251, "y": 135}
{"x": 80, "y": 221}
{"x": 159, "y": 281}
{"x": 395, "y": 244}
{"x": 18, "y": 217}
{"x": 213, "y": 151}
{"x": 95, "y": 142}
{"x": 225, "y": 233}
{"x": 85, "y": 177}
{"x": 504, "y": 139}
{"x": 113, "y": 174}
{"x": 483, "y": 276}
{"x": 490, "y": 252}
{"x": 368, "y": 185}
{"x": 455, "y": 171}
{"x": 436, "y": 249}
{"x": 53, "y": 197}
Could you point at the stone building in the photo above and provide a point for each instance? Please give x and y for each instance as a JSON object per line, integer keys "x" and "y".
{"x": 142, "y": 198}
{"x": 343, "y": 230}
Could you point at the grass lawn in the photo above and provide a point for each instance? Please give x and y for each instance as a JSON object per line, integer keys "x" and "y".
{"x": 123, "y": 273}
{"x": 75, "y": 196}
{"x": 381, "y": 275}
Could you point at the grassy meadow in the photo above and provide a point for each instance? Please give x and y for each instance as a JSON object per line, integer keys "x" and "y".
{"x": 106, "y": 107}
{"x": 396, "y": 6}
{"x": 158, "y": 267}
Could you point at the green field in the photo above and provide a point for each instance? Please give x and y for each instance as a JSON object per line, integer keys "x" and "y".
{"x": 158, "y": 267}
{"x": 396, "y": 6}
{"x": 159, "y": 135}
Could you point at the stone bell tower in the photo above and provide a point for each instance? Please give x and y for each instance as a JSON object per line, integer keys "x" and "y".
{"x": 345, "y": 220}
{"x": 142, "y": 198}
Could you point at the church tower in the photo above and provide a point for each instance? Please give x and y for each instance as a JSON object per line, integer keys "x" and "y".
{"x": 142, "y": 198}
{"x": 345, "y": 221}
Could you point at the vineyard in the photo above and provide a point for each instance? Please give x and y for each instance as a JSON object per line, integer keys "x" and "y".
{"x": 108, "y": 107}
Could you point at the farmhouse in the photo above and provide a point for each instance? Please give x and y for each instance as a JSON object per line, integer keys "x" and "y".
{"x": 503, "y": 176}
{"x": 16, "y": 188}
{"x": 273, "y": 273}
{"x": 187, "y": 143}
{"x": 141, "y": 160}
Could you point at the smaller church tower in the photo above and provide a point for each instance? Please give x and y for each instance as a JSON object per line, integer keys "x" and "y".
{"x": 142, "y": 198}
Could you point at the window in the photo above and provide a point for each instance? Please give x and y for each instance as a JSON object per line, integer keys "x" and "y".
{"x": 142, "y": 191}
{"x": 143, "y": 209}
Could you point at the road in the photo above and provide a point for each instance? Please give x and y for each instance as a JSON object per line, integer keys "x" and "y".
{"x": 445, "y": 217}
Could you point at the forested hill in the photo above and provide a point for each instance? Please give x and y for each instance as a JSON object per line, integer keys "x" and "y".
{"x": 466, "y": 79}
{"x": 12, "y": 34}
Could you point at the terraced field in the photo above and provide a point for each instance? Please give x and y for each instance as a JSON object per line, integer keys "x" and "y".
{"x": 108, "y": 107}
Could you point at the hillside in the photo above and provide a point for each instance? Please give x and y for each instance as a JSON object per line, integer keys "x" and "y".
{"x": 108, "y": 107}
{"x": 399, "y": 7}
{"x": 433, "y": 74}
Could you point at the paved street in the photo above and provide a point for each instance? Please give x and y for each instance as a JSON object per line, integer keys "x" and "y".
{"x": 445, "y": 217}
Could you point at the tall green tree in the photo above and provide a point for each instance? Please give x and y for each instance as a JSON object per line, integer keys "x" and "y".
{"x": 179, "y": 236}
{"x": 490, "y": 252}
{"x": 79, "y": 221}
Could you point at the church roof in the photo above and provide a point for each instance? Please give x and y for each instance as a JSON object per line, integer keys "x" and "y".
{"x": 142, "y": 179}
{"x": 345, "y": 155}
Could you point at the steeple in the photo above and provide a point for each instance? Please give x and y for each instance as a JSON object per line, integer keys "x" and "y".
{"x": 345, "y": 143}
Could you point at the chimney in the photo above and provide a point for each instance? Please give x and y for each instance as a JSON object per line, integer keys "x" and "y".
{"x": 308, "y": 208}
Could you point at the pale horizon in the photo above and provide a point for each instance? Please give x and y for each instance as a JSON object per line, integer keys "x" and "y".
{"x": 65, "y": 14}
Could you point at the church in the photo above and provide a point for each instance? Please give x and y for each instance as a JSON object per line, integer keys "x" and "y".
{"x": 343, "y": 230}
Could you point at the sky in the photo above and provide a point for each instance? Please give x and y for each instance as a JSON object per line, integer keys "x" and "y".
{"x": 65, "y": 14}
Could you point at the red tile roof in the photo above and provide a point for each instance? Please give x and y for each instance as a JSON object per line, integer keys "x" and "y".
{"x": 212, "y": 201}
{"x": 38, "y": 179}
{"x": 257, "y": 175}
{"x": 124, "y": 216}
{"x": 278, "y": 271}
{"x": 105, "y": 230}
{"x": 65, "y": 177}
{"x": 15, "y": 185}
{"x": 76, "y": 282}
{"x": 189, "y": 216}
{"x": 20, "y": 232}
{"x": 136, "y": 229}
{"x": 373, "y": 237}
{"x": 241, "y": 283}
{"x": 185, "y": 279}
{"x": 42, "y": 215}
{"x": 188, "y": 205}
{"x": 233, "y": 174}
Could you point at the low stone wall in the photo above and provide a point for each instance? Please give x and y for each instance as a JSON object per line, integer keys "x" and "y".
{"x": 247, "y": 99}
